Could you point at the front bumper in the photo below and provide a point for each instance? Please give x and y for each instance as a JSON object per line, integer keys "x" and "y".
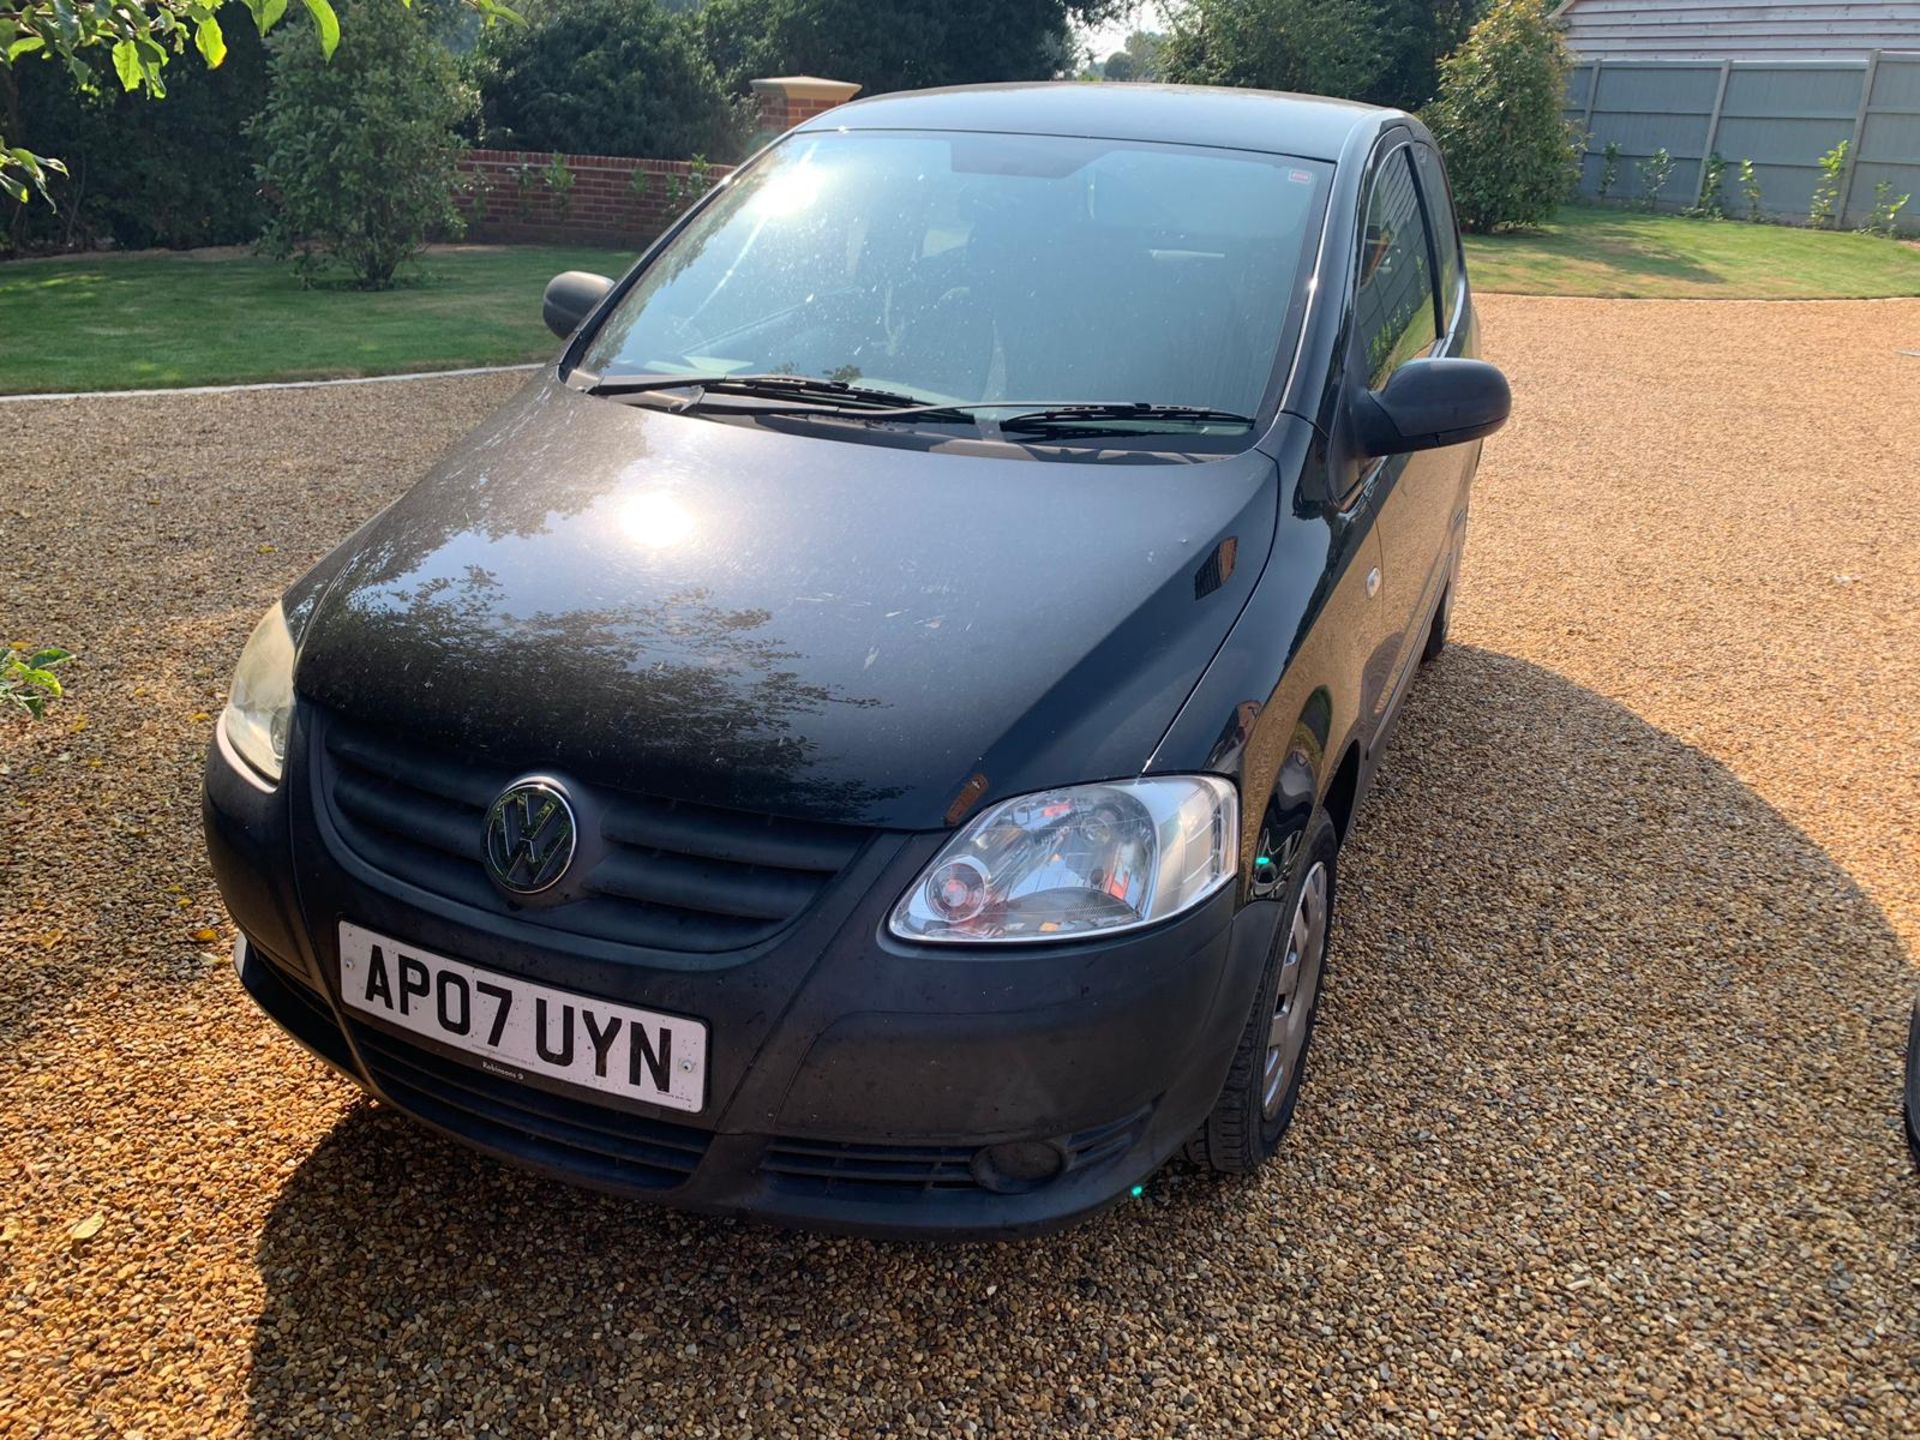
{"x": 854, "y": 1081}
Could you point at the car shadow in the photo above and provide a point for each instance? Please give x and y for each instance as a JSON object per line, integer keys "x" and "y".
{"x": 1609, "y": 1060}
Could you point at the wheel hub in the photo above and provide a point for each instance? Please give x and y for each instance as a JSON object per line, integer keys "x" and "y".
{"x": 1299, "y": 982}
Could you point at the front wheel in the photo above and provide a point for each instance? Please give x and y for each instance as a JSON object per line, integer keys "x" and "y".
{"x": 1256, "y": 1104}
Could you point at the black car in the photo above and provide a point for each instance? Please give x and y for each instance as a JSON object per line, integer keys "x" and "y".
{"x": 865, "y": 738}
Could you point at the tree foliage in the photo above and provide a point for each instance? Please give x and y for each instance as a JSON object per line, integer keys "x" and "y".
{"x": 1320, "y": 47}
{"x": 1142, "y": 58}
{"x": 1510, "y": 152}
{"x": 1415, "y": 35}
{"x": 901, "y": 46}
{"x": 358, "y": 153}
{"x": 141, "y": 37}
{"x": 177, "y": 174}
{"x": 1385, "y": 52}
{"x": 611, "y": 77}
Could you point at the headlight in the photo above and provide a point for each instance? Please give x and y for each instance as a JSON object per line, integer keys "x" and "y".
{"x": 1090, "y": 859}
{"x": 260, "y": 701}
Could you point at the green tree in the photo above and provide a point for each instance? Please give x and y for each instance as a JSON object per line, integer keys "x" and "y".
{"x": 619, "y": 77}
{"x": 142, "y": 37}
{"x": 1147, "y": 50}
{"x": 358, "y": 152}
{"x": 1320, "y": 47}
{"x": 1386, "y": 52}
{"x": 1414, "y": 36}
{"x": 1120, "y": 67}
{"x": 906, "y": 45}
{"x": 1509, "y": 150}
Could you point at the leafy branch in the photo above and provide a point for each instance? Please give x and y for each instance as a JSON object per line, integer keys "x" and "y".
{"x": 27, "y": 682}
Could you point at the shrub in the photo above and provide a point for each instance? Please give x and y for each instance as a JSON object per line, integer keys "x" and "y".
{"x": 1385, "y": 52}
{"x": 1655, "y": 171}
{"x": 1711, "y": 204}
{"x": 358, "y": 154}
{"x": 1885, "y": 219}
{"x": 559, "y": 183}
{"x": 901, "y": 45}
{"x": 1415, "y": 34}
{"x": 176, "y": 174}
{"x": 1750, "y": 191}
{"x": 603, "y": 77}
{"x": 1826, "y": 193}
{"x": 1498, "y": 118}
{"x": 526, "y": 180}
{"x": 27, "y": 680}
{"x": 1332, "y": 48}
{"x": 1609, "y": 168}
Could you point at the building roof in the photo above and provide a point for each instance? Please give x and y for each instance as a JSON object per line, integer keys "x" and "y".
{"x": 1309, "y": 126}
{"x": 1737, "y": 29}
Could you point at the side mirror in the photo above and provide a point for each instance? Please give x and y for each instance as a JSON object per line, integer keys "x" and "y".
{"x": 570, "y": 298}
{"x": 1430, "y": 403}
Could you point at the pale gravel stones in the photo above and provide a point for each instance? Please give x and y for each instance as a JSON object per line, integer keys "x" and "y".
{"x": 1601, "y": 1131}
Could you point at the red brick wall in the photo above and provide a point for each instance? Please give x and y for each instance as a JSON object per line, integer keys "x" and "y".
{"x": 779, "y": 112}
{"x": 602, "y": 206}
{"x": 508, "y": 197}
{"x": 799, "y": 110}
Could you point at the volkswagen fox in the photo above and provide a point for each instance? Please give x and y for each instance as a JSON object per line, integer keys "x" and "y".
{"x": 864, "y": 738}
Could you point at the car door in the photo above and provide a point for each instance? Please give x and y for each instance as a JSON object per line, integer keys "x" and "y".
{"x": 1456, "y": 464}
{"x": 1396, "y": 318}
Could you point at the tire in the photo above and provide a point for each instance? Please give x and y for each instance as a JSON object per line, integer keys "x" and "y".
{"x": 1910, "y": 1100}
{"x": 1256, "y": 1106}
{"x": 1437, "y": 633}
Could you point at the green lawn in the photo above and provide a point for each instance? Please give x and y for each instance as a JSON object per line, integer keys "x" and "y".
{"x": 1589, "y": 250}
{"x": 111, "y": 322}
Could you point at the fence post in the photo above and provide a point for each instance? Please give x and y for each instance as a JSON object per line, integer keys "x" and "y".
{"x": 1853, "y": 146}
{"x": 1713, "y": 132}
{"x": 1586, "y": 120}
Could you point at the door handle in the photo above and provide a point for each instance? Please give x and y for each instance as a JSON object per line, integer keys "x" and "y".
{"x": 1373, "y": 582}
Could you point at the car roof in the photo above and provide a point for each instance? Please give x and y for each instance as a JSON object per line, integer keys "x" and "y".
{"x": 1310, "y": 126}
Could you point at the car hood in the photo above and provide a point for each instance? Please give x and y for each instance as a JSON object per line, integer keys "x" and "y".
{"x": 739, "y": 616}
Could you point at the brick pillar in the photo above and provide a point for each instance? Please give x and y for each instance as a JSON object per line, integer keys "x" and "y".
{"x": 786, "y": 100}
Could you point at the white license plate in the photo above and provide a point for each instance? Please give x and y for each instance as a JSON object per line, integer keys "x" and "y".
{"x": 519, "y": 1029}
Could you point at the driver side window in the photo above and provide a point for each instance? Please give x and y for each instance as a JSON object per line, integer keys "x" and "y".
{"x": 1393, "y": 309}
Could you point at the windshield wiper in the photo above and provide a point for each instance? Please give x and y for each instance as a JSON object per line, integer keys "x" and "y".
{"x": 798, "y": 387}
{"x": 814, "y": 396}
{"x": 1039, "y": 417}
{"x": 1056, "y": 416}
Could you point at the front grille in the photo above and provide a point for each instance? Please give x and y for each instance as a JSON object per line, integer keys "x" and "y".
{"x": 674, "y": 876}
{"x": 827, "y": 1167}
{"x": 610, "y": 1147}
{"x": 902, "y": 1172}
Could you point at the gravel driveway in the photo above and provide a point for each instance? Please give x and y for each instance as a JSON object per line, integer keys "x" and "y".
{"x": 1601, "y": 1135}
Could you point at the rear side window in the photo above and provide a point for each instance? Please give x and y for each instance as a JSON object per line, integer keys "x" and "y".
{"x": 1393, "y": 309}
{"x": 1446, "y": 234}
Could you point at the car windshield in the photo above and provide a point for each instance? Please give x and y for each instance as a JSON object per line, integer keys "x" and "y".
{"x": 971, "y": 267}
